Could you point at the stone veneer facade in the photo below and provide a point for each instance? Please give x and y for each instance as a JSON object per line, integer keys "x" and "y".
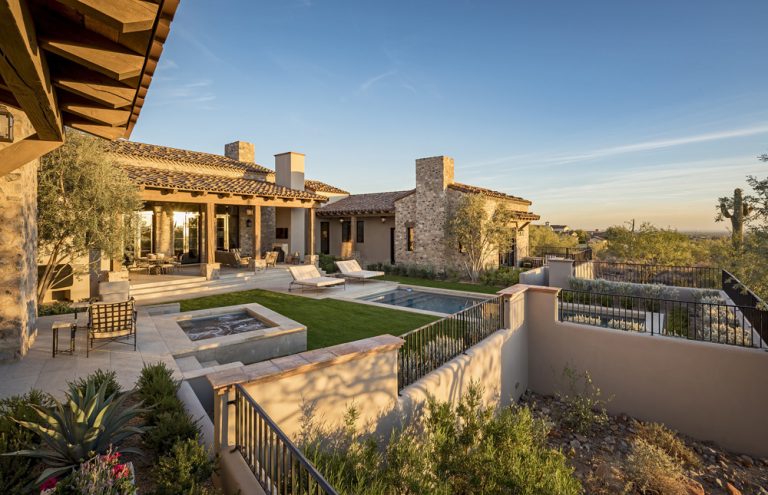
{"x": 18, "y": 254}
{"x": 427, "y": 209}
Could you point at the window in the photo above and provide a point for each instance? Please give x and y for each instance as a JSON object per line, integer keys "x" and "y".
{"x": 281, "y": 233}
{"x": 346, "y": 232}
{"x": 409, "y": 244}
{"x": 360, "y": 231}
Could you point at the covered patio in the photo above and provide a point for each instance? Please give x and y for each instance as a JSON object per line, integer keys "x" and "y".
{"x": 202, "y": 224}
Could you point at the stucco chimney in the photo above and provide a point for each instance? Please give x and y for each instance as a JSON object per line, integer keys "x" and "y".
{"x": 434, "y": 173}
{"x": 241, "y": 151}
{"x": 289, "y": 170}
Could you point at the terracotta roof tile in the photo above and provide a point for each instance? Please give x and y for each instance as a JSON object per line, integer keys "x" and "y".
{"x": 371, "y": 203}
{"x": 465, "y": 188}
{"x": 525, "y": 215}
{"x": 131, "y": 149}
{"x": 188, "y": 181}
{"x": 317, "y": 186}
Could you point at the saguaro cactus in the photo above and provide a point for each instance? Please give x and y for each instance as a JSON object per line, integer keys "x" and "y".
{"x": 741, "y": 211}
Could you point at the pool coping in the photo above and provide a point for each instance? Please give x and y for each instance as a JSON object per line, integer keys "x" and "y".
{"x": 180, "y": 345}
{"x": 435, "y": 290}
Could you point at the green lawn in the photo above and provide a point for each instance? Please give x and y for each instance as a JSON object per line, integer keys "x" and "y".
{"x": 328, "y": 321}
{"x": 441, "y": 284}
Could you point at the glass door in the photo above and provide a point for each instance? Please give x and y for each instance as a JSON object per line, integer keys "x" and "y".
{"x": 186, "y": 236}
{"x": 222, "y": 232}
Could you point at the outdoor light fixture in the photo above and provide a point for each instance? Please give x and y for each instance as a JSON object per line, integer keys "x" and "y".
{"x": 249, "y": 223}
{"x": 383, "y": 219}
{"x": 341, "y": 220}
{"x": 6, "y": 125}
{"x": 249, "y": 211}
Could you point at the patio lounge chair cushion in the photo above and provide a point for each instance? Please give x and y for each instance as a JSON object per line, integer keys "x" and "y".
{"x": 112, "y": 292}
{"x": 308, "y": 275}
{"x": 351, "y": 268}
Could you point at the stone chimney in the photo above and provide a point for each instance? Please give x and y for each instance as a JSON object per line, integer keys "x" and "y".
{"x": 434, "y": 173}
{"x": 241, "y": 151}
{"x": 289, "y": 170}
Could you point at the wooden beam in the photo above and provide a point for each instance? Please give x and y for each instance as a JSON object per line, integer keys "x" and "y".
{"x": 93, "y": 51}
{"x": 22, "y": 152}
{"x": 196, "y": 197}
{"x": 96, "y": 87}
{"x": 106, "y": 116}
{"x": 102, "y": 131}
{"x": 210, "y": 233}
{"x": 126, "y": 16}
{"x": 25, "y": 72}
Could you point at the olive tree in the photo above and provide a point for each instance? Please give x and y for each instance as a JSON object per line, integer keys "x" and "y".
{"x": 479, "y": 230}
{"x": 82, "y": 198}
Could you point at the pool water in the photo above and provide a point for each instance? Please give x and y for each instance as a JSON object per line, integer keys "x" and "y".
{"x": 424, "y": 300}
{"x": 209, "y": 327}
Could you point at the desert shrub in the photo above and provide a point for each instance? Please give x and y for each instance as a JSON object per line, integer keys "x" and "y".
{"x": 585, "y": 405}
{"x": 667, "y": 440}
{"x": 583, "y": 319}
{"x": 54, "y": 308}
{"x": 452, "y": 449}
{"x": 653, "y": 471}
{"x": 155, "y": 384}
{"x": 625, "y": 324}
{"x": 169, "y": 428}
{"x": 327, "y": 263}
{"x": 98, "y": 378}
{"x": 17, "y": 474}
{"x": 184, "y": 469}
{"x": 504, "y": 276}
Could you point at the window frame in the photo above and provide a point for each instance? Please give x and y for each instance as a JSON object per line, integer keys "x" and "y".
{"x": 360, "y": 232}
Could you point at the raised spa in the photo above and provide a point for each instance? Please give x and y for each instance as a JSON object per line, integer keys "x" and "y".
{"x": 209, "y": 327}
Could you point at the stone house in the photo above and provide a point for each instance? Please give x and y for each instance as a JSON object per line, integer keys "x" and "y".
{"x": 409, "y": 227}
{"x": 200, "y": 205}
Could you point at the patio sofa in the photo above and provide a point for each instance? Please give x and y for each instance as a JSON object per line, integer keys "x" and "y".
{"x": 309, "y": 276}
{"x": 232, "y": 259}
{"x": 351, "y": 269}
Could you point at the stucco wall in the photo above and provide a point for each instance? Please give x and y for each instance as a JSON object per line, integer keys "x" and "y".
{"x": 708, "y": 391}
{"x": 18, "y": 253}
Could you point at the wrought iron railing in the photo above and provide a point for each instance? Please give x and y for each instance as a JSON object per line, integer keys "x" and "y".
{"x": 698, "y": 277}
{"x": 709, "y": 320}
{"x": 277, "y": 463}
{"x": 571, "y": 253}
{"x": 743, "y": 296}
{"x": 429, "y": 347}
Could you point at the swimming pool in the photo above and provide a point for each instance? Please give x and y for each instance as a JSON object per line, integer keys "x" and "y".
{"x": 436, "y": 302}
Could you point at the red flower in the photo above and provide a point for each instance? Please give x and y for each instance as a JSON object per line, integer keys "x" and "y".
{"x": 49, "y": 483}
{"x": 120, "y": 471}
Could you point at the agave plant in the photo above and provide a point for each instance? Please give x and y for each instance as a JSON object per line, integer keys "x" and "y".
{"x": 87, "y": 424}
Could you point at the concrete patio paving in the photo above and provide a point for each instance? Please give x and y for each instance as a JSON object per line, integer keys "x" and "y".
{"x": 41, "y": 371}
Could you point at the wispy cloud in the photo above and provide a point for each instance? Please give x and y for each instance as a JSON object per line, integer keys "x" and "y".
{"x": 197, "y": 41}
{"x": 194, "y": 92}
{"x": 369, "y": 83}
{"x": 537, "y": 160}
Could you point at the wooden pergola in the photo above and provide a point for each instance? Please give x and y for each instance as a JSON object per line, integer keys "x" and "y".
{"x": 86, "y": 64}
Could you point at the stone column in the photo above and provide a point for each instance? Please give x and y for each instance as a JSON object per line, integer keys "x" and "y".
{"x": 353, "y": 236}
{"x": 18, "y": 253}
{"x": 257, "y": 231}
{"x": 210, "y": 269}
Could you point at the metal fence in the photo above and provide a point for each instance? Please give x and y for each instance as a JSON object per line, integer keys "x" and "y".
{"x": 742, "y": 296}
{"x": 698, "y": 277}
{"x": 277, "y": 463}
{"x": 433, "y": 345}
{"x": 571, "y": 253}
{"x": 704, "y": 321}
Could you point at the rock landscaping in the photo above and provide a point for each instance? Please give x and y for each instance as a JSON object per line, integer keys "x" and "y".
{"x": 621, "y": 455}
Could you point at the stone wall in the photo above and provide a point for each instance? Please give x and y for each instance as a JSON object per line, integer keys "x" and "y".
{"x": 246, "y": 233}
{"x": 268, "y": 226}
{"x": 18, "y": 254}
{"x": 427, "y": 211}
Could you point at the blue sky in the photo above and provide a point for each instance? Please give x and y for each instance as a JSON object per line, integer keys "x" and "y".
{"x": 597, "y": 111}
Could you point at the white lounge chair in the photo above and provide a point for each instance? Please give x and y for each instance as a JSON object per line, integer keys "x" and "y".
{"x": 351, "y": 269}
{"x": 309, "y": 276}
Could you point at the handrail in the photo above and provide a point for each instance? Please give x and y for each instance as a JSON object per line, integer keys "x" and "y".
{"x": 432, "y": 345}
{"x": 279, "y": 466}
